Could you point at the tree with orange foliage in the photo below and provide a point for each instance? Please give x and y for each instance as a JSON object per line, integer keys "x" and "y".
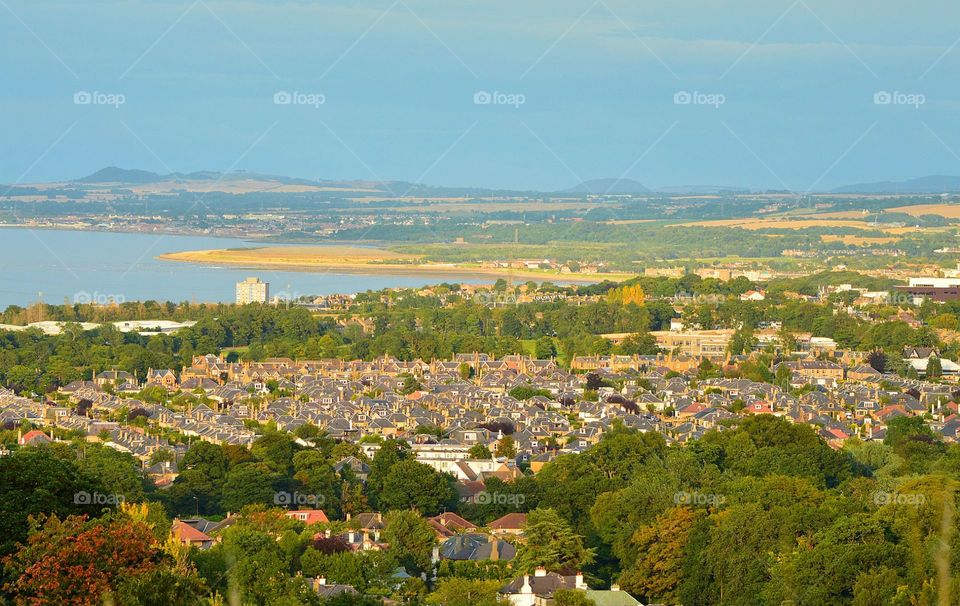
{"x": 76, "y": 561}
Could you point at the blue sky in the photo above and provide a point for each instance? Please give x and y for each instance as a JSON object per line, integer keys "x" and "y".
{"x": 781, "y": 93}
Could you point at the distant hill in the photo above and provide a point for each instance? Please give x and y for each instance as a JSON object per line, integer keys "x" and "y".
{"x": 114, "y": 174}
{"x": 608, "y": 186}
{"x": 240, "y": 181}
{"x": 934, "y": 184}
{"x": 133, "y": 176}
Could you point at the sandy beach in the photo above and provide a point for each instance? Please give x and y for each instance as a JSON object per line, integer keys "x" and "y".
{"x": 366, "y": 261}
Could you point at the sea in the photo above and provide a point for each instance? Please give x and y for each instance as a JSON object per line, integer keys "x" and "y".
{"x": 58, "y": 266}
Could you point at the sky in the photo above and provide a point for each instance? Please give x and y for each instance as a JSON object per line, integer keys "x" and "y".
{"x": 527, "y": 94}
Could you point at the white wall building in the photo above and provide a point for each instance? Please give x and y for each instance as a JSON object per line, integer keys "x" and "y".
{"x": 252, "y": 290}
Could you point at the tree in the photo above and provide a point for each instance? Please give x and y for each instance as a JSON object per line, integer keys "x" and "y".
{"x": 877, "y": 360}
{"x": 506, "y": 447}
{"x": 660, "y": 552}
{"x": 315, "y": 476}
{"x": 479, "y": 451}
{"x": 248, "y": 484}
{"x": 276, "y": 450}
{"x": 934, "y": 368}
{"x": 551, "y": 543}
{"x": 389, "y": 453}
{"x": 75, "y": 562}
{"x": 455, "y": 591}
{"x": 161, "y": 587}
{"x": 260, "y": 570}
{"x": 571, "y": 597}
{"x": 411, "y": 540}
{"x": 783, "y": 376}
{"x": 643, "y": 344}
{"x": 410, "y": 385}
{"x": 545, "y": 348}
{"x": 206, "y": 458}
{"x": 35, "y": 481}
{"x": 742, "y": 341}
{"x": 413, "y": 485}
{"x": 117, "y": 472}
{"x": 364, "y": 570}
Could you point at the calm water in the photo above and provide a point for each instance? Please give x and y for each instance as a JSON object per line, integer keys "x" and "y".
{"x": 86, "y": 266}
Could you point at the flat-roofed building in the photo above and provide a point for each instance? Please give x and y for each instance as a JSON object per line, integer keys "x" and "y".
{"x": 252, "y": 290}
{"x": 704, "y": 343}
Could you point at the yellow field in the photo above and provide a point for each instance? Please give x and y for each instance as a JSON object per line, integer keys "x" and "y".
{"x": 808, "y": 222}
{"x": 842, "y": 214}
{"x": 950, "y": 211}
{"x": 778, "y": 223}
{"x": 858, "y": 240}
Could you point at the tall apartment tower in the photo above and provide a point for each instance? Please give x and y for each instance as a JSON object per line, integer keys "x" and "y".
{"x": 252, "y": 290}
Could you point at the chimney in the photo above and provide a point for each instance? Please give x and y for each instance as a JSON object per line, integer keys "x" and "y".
{"x": 321, "y": 581}
{"x": 614, "y": 587}
{"x": 494, "y": 550}
{"x": 580, "y": 583}
{"x": 525, "y": 588}
{"x": 540, "y": 572}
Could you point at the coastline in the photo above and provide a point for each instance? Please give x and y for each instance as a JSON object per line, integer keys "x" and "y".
{"x": 218, "y": 257}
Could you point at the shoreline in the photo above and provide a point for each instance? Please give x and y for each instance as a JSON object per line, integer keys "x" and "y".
{"x": 319, "y": 264}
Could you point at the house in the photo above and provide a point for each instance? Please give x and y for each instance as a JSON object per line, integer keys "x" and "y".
{"x": 449, "y": 524}
{"x": 114, "y": 377}
{"x": 537, "y": 589}
{"x": 308, "y": 516}
{"x": 753, "y": 295}
{"x": 188, "y": 535}
{"x": 510, "y": 524}
{"x": 863, "y": 372}
{"x": 475, "y": 547}
{"x": 329, "y": 590}
{"x": 34, "y": 438}
{"x": 819, "y": 372}
{"x": 360, "y": 469}
{"x": 164, "y": 378}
